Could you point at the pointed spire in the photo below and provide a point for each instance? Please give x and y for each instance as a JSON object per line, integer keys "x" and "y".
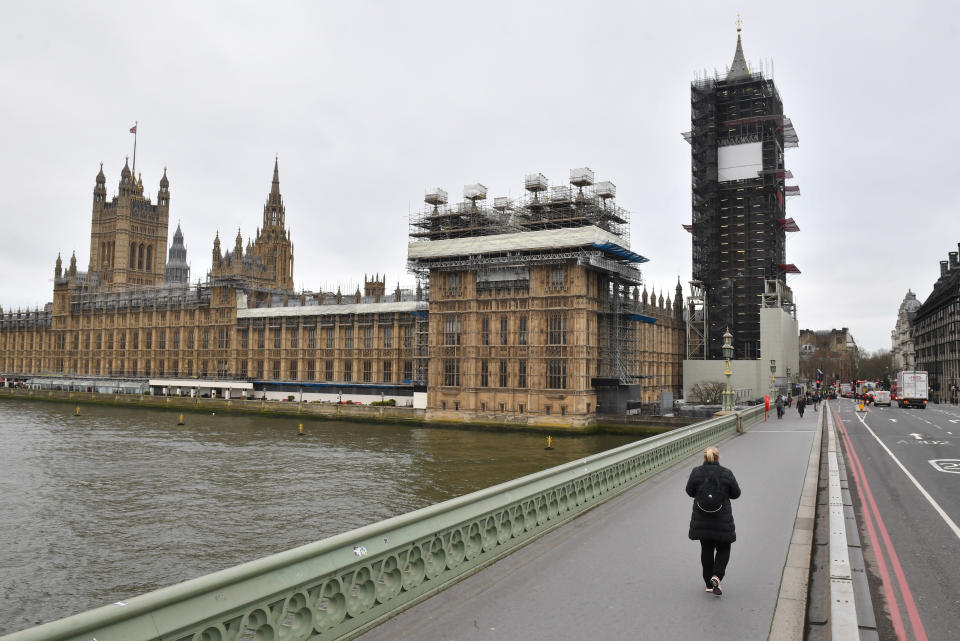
{"x": 100, "y": 177}
{"x": 738, "y": 69}
{"x": 125, "y": 172}
{"x": 164, "y": 183}
{"x": 275, "y": 188}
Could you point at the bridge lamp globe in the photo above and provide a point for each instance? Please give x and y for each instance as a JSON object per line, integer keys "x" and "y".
{"x": 727, "y": 347}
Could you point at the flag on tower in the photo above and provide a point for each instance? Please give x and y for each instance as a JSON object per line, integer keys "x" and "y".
{"x": 133, "y": 129}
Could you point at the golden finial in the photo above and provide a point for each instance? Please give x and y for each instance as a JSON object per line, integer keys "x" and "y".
{"x": 738, "y": 22}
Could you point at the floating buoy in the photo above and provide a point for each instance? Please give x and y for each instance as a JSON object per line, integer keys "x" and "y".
{"x": 180, "y": 420}
{"x": 77, "y": 413}
{"x": 300, "y": 433}
{"x": 549, "y": 443}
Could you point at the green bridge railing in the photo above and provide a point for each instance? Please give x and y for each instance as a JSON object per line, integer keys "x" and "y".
{"x": 342, "y": 586}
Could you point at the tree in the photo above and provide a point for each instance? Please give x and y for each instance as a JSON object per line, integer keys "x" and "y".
{"x": 875, "y": 366}
{"x": 708, "y": 392}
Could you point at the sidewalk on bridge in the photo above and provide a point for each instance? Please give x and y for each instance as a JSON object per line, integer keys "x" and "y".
{"x": 626, "y": 570}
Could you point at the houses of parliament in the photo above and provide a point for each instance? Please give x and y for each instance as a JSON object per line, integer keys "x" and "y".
{"x": 528, "y": 311}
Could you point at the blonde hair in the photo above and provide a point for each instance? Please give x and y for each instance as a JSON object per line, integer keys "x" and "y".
{"x": 711, "y": 454}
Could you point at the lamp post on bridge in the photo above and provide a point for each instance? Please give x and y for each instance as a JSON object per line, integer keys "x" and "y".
{"x": 729, "y": 403}
{"x": 773, "y": 380}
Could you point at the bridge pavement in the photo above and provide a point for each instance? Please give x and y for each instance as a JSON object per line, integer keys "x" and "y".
{"x": 626, "y": 570}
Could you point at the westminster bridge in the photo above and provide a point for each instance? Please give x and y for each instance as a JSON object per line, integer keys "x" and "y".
{"x": 594, "y": 548}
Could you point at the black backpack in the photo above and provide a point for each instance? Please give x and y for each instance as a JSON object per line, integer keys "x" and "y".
{"x": 711, "y": 494}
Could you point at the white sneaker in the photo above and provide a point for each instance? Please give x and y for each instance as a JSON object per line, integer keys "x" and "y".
{"x": 716, "y": 589}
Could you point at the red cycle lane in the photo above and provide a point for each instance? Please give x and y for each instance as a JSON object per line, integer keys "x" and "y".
{"x": 913, "y": 539}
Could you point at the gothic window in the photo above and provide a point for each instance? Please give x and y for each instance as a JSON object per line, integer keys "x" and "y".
{"x": 522, "y": 331}
{"x": 367, "y": 371}
{"x": 521, "y": 375}
{"x": 452, "y": 331}
{"x": 140, "y": 257}
{"x": 347, "y": 371}
{"x": 556, "y": 374}
{"x": 388, "y": 336}
{"x": 387, "y": 372}
{"x": 451, "y": 372}
{"x": 149, "y": 258}
{"x": 485, "y": 330}
{"x": 484, "y": 374}
{"x": 503, "y": 373}
{"x": 133, "y": 255}
{"x": 557, "y": 329}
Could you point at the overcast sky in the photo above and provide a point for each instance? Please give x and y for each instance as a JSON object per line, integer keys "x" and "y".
{"x": 369, "y": 104}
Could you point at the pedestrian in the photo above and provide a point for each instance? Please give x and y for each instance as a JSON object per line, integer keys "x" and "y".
{"x": 801, "y": 405}
{"x": 712, "y": 486}
{"x": 816, "y": 401}
{"x": 779, "y": 405}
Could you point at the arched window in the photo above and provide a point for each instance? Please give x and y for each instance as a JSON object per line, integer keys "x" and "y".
{"x": 140, "y": 257}
{"x": 133, "y": 255}
{"x": 149, "y": 258}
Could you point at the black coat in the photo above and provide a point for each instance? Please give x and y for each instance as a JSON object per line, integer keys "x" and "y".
{"x": 719, "y": 526}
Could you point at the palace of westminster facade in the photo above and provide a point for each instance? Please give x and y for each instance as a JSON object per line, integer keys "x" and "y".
{"x": 525, "y": 310}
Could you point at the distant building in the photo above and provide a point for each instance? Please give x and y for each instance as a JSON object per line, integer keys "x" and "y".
{"x": 901, "y": 340}
{"x": 535, "y": 305}
{"x": 832, "y": 351}
{"x": 738, "y": 137}
{"x": 936, "y": 332}
{"x": 177, "y": 269}
{"x": 531, "y": 312}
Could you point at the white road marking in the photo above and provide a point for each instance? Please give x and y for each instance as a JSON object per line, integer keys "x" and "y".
{"x": 919, "y": 437}
{"x": 948, "y": 465}
{"x": 894, "y": 420}
{"x": 938, "y": 427}
{"x": 936, "y": 506}
{"x": 954, "y": 420}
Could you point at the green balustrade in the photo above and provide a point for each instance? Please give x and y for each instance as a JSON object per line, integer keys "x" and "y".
{"x": 341, "y": 586}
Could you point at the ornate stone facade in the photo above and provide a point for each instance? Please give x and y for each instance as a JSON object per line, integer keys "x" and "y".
{"x": 936, "y": 333}
{"x": 901, "y": 341}
{"x": 524, "y": 351}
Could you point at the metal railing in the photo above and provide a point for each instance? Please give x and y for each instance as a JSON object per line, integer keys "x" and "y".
{"x": 341, "y": 586}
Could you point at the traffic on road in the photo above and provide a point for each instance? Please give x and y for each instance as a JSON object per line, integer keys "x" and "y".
{"x": 904, "y": 464}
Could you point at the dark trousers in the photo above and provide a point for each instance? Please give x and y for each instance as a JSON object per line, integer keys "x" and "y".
{"x": 714, "y": 556}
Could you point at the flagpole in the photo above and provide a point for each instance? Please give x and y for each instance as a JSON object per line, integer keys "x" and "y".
{"x": 135, "y": 127}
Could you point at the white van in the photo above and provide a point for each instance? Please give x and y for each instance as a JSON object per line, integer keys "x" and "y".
{"x": 881, "y": 397}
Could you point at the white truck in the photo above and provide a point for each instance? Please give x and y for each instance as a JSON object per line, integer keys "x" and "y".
{"x": 912, "y": 389}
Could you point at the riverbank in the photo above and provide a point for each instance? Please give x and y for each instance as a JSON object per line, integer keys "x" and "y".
{"x": 333, "y": 411}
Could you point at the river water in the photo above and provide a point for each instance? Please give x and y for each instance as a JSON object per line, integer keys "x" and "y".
{"x": 117, "y": 502}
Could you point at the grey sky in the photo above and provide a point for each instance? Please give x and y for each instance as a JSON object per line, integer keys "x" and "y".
{"x": 369, "y": 104}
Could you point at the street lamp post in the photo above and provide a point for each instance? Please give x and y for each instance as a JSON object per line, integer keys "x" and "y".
{"x": 773, "y": 381}
{"x": 729, "y": 403}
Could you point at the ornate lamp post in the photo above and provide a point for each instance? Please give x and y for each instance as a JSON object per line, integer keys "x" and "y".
{"x": 773, "y": 381}
{"x": 729, "y": 403}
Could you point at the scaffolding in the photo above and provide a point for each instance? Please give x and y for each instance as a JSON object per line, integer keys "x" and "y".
{"x": 578, "y": 205}
{"x": 581, "y": 202}
{"x": 739, "y": 223}
{"x": 697, "y": 322}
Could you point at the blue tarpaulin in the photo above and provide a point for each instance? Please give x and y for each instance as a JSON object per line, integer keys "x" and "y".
{"x": 620, "y": 252}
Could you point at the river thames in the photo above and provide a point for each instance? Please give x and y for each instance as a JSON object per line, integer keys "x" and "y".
{"x": 118, "y": 502}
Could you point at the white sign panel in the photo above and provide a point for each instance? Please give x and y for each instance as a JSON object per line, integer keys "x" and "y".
{"x": 739, "y": 162}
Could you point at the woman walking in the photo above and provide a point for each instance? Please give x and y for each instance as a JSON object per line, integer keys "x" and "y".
{"x": 801, "y": 405}
{"x": 712, "y": 486}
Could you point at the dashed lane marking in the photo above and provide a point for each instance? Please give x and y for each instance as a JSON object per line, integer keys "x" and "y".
{"x": 936, "y": 506}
